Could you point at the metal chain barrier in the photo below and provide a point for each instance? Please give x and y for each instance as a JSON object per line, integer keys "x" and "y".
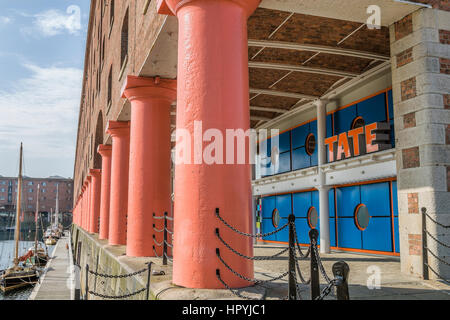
{"x": 249, "y": 234}
{"x": 165, "y": 243}
{"x": 340, "y": 269}
{"x": 426, "y": 250}
{"x": 108, "y": 276}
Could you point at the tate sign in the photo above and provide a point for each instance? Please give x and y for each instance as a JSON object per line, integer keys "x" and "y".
{"x": 371, "y": 138}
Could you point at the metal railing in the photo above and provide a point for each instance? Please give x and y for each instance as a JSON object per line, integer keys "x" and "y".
{"x": 340, "y": 269}
{"x": 115, "y": 297}
{"x": 426, "y": 250}
{"x": 166, "y": 233}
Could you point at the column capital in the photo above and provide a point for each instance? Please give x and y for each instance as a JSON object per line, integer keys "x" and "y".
{"x": 89, "y": 179}
{"x": 136, "y": 88}
{"x": 105, "y": 150}
{"x": 95, "y": 173}
{"x": 116, "y": 128}
{"x": 167, "y": 6}
{"x": 320, "y": 102}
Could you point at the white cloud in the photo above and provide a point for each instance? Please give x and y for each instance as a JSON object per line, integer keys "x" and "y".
{"x": 41, "y": 110}
{"x": 54, "y": 22}
{"x": 5, "y": 20}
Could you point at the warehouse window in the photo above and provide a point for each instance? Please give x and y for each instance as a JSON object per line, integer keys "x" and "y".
{"x": 111, "y": 12}
{"x": 124, "y": 41}
{"x": 110, "y": 86}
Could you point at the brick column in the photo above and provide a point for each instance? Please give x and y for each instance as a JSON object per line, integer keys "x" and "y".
{"x": 120, "y": 133}
{"x": 212, "y": 91}
{"x": 105, "y": 151}
{"x": 421, "y": 82}
{"x": 150, "y": 175}
{"x": 95, "y": 199}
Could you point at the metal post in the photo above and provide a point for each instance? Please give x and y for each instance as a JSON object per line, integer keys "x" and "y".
{"x": 340, "y": 272}
{"x": 425, "y": 272}
{"x": 87, "y": 283}
{"x": 149, "y": 272}
{"x": 165, "y": 240}
{"x": 315, "y": 284}
{"x": 292, "y": 291}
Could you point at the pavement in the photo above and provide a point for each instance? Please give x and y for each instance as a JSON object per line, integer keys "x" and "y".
{"x": 54, "y": 283}
{"x": 371, "y": 277}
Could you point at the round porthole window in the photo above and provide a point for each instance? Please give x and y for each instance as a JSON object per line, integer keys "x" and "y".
{"x": 358, "y": 122}
{"x": 313, "y": 217}
{"x": 275, "y": 218}
{"x": 310, "y": 144}
{"x": 362, "y": 217}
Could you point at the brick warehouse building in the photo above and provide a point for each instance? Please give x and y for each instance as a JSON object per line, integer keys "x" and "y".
{"x": 363, "y": 115}
{"x": 47, "y": 199}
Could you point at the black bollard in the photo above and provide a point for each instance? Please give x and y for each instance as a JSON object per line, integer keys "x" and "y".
{"x": 87, "y": 283}
{"x": 315, "y": 284}
{"x": 165, "y": 240}
{"x": 340, "y": 272}
{"x": 292, "y": 291}
{"x": 425, "y": 272}
{"x": 149, "y": 272}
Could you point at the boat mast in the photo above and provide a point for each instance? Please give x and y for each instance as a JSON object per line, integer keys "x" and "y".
{"x": 18, "y": 209}
{"x": 57, "y": 206}
{"x": 36, "y": 220}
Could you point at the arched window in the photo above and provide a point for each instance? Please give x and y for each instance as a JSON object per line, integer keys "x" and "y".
{"x": 124, "y": 41}
{"x": 110, "y": 86}
{"x": 111, "y": 12}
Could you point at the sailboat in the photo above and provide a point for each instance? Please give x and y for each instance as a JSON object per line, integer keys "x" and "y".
{"x": 18, "y": 276}
{"x": 40, "y": 255}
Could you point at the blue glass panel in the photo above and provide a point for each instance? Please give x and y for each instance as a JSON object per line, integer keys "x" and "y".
{"x": 391, "y": 104}
{"x": 266, "y": 167}
{"x": 315, "y": 200}
{"x": 267, "y": 227}
{"x": 299, "y": 135}
{"x": 283, "y": 204}
{"x": 376, "y": 198}
{"x": 373, "y": 109}
{"x": 347, "y": 200}
{"x": 302, "y": 227}
{"x": 348, "y": 235}
{"x": 302, "y": 202}
{"x": 283, "y": 235}
{"x": 285, "y": 141}
{"x": 285, "y": 162}
{"x": 343, "y": 119}
{"x": 330, "y": 125}
{"x": 378, "y": 235}
{"x": 300, "y": 159}
{"x": 333, "y": 232}
{"x": 313, "y": 126}
{"x": 268, "y": 204}
{"x": 331, "y": 203}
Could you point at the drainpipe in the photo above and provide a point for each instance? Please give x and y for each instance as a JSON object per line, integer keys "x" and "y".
{"x": 322, "y": 186}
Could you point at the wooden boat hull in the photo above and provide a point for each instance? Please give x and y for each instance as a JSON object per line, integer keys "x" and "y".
{"x": 12, "y": 282}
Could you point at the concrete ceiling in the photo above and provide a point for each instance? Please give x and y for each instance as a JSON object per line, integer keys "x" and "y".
{"x": 299, "y": 50}
{"x": 350, "y": 10}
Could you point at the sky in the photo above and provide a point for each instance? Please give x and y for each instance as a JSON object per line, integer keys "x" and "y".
{"x": 42, "y": 44}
